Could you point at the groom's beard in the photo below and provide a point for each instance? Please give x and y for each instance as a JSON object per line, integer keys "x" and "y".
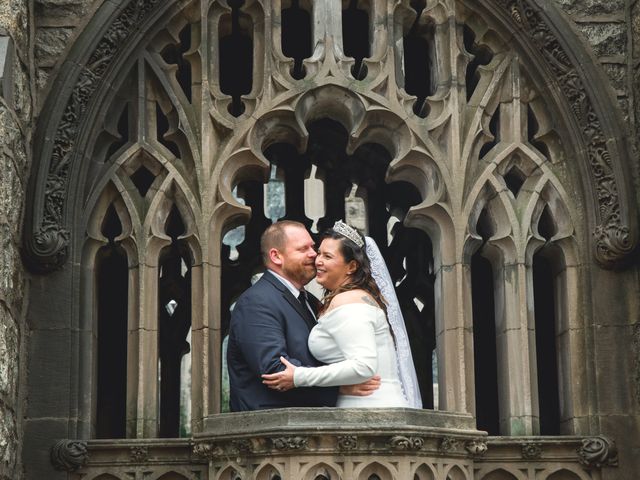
{"x": 300, "y": 273}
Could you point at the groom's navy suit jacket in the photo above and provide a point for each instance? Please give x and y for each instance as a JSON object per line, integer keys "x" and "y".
{"x": 269, "y": 322}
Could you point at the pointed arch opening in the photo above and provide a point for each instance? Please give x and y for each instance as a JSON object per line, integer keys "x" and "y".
{"x": 112, "y": 287}
{"x": 485, "y": 351}
{"x": 174, "y": 328}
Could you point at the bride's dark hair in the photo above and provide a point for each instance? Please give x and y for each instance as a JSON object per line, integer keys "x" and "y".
{"x": 361, "y": 277}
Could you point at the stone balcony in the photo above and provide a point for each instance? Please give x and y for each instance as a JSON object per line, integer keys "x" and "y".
{"x": 346, "y": 444}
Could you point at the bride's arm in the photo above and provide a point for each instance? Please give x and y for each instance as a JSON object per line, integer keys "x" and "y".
{"x": 353, "y": 330}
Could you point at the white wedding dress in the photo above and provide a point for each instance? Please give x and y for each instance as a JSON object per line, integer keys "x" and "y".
{"x": 355, "y": 342}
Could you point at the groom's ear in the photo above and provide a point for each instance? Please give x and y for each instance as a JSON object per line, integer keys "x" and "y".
{"x": 275, "y": 256}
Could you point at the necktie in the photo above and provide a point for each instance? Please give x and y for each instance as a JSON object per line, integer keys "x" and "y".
{"x": 302, "y": 298}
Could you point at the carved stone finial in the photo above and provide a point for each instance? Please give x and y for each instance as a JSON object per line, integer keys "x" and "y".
{"x": 598, "y": 452}
{"x": 531, "y": 451}
{"x": 69, "y": 455}
{"x": 400, "y": 442}
{"x": 289, "y": 443}
{"x": 476, "y": 447}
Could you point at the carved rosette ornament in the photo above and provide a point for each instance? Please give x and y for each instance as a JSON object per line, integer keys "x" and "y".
{"x": 69, "y": 455}
{"x": 139, "y": 453}
{"x": 614, "y": 240}
{"x": 48, "y": 245}
{"x": 347, "y": 442}
{"x": 447, "y": 444}
{"x": 289, "y": 443}
{"x": 207, "y": 450}
{"x": 598, "y": 452}
{"x": 531, "y": 451}
{"x": 400, "y": 442}
{"x": 476, "y": 448}
{"x": 241, "y": 446}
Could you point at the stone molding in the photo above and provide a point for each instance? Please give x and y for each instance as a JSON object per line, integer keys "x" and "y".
{"x": 347, "y": 444}
{"x": 69, "y": 455}
{"x": 298, "y": 448}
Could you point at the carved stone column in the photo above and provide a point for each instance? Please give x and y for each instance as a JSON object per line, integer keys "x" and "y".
{"x": 142, "y": 375}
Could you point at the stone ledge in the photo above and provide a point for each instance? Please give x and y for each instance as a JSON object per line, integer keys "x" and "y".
{"x": 336, "y": 420}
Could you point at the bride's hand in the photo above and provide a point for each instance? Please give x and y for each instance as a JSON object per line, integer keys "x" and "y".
{"x": 281, "y": 381}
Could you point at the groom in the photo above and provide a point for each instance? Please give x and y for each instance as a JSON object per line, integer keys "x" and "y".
{"x": 271, "y": 319}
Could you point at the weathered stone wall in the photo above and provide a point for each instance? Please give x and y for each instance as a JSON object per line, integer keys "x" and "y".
{"x": 15, "y": 131}
{"x": 612, "y": 29}
{"x": 57, "y": 23}
{"x": 634, "y": 81}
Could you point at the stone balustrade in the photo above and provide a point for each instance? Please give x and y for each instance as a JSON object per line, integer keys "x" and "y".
{"x": 332, "y": 444}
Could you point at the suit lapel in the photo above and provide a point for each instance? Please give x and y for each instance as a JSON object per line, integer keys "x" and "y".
{"x": 293, "y": 301}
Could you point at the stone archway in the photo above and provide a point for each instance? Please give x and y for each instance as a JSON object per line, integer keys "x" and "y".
{"x": 145, "y": 125}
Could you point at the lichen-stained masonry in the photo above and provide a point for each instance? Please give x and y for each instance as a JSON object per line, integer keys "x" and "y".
{"x": 473, "y": 141}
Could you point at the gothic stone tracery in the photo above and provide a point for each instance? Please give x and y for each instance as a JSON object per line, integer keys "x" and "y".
{"x": 181, "y": 145}
{"x": 48, "y": 244}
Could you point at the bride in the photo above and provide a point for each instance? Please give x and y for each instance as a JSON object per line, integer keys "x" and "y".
{"x": 360, "y": 330}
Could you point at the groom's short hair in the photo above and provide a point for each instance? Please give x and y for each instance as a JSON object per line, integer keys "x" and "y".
{"x": 275, "y": 236}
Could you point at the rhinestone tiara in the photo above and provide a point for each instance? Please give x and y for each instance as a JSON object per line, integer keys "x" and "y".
{"x": 349, "y": 232}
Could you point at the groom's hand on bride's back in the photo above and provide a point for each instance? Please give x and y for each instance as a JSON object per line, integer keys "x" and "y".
{"x": 362, "y": 389}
